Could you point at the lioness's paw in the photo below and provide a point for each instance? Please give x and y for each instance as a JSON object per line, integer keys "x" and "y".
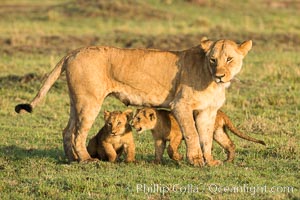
{"x": 214, "y": 163}
{"x": 197, "y": 161}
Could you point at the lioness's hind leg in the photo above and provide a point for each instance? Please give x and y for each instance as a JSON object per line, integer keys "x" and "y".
{"x": 87, "y": 110}
{"x": 68, "y": 137}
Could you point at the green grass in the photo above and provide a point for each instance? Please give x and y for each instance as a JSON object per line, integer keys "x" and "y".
{"x": 264, "y": 104}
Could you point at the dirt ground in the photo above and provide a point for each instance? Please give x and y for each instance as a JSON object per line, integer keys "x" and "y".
{"x": 59, "y": 43}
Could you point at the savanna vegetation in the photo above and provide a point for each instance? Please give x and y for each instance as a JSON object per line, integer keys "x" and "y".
{"x": 264, "y": 103}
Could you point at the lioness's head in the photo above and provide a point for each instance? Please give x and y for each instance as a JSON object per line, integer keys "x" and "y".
{"x": 144, "y": 119}
{"x": 117, "y": 122}
{"x": 224, "y": 58}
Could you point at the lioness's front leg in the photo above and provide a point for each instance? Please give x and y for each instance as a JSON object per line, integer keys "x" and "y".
{"x": 205, "y": 121}
{"x": 184, "y": 116}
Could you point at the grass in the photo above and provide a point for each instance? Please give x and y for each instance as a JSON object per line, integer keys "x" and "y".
{"x": 264, "y": 104}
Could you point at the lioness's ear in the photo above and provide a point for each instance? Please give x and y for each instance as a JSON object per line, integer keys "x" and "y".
{"x": 205, "y": 44}
{"x": 245, "y": 47}
{"x": 106, "y": 115}
{"x": 129, "y": 114}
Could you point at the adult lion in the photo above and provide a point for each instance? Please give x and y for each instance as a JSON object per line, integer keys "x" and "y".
{"x": 184, "y": 81}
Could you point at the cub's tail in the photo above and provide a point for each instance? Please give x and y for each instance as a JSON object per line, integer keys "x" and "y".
{"x": 238, "y": 133}
{"x": 52, "y": 77}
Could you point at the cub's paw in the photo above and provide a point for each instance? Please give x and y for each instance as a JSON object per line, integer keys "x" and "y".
{"x": 229, "y": 160}
{"x": 130, "y": 161}
{"x": 156, "y": 162}
{"x": 90, "y": 160}
{"x": 177, "y": 157}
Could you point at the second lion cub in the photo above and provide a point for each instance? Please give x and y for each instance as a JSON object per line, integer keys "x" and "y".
{"x": 114, "y": 138}
{"x": 164, "y": 127}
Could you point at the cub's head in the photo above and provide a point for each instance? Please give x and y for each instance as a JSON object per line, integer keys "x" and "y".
{"x": 117, "y": 122}
{"x": 224, "y": 58}
{"x": 144, "y": 119}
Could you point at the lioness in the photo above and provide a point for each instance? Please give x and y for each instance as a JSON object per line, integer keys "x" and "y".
{"x": 114, "y": 138}
{"x": 164, "y": 127}
{"x": 183, "y": 81}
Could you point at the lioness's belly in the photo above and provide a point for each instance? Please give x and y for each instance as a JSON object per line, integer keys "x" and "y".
{"x": 144, "y": 77}
{"x": 132, "y": 97}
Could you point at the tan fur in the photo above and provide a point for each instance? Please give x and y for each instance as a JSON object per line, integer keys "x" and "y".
{"x": 165, "y": 128}
{"x": 114, "y": 138}
{"x": 221, "y": 137}
{"x": 183, "y": 81}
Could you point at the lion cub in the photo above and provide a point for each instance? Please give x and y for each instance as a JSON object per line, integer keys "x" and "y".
{"x": 114, "y": 138}
{"x": 164, "y": 127}
{"x": 222, "y": 123}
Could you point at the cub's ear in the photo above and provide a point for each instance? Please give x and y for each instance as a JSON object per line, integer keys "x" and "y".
{"x": 152, "y": 116}
{"x": 203, "y": 38}
{"x": 245, "y": 47}
{"x": 106, "y": 115}
{"x": 205, "y": 44}
{"x": 129, "y": 114}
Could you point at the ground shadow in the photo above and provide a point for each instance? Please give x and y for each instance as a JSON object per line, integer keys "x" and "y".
{"x": 13, "y": 152}
{"x": 149, "y": 159}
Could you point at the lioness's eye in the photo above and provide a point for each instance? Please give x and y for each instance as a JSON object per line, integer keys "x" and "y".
{"x": 119, "y": 123}
{"x": 229, "y": 59}
{"x": 138, "y": 119}
{"x": 213, "y": 60}
{"x": 109, "y": 124}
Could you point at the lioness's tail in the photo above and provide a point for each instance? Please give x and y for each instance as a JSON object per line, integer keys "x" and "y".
{"x": 52, "y": 77}
{"x": 238, "y": 133}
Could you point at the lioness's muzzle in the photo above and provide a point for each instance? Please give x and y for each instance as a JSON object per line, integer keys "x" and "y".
{"x": 218, "y": 78}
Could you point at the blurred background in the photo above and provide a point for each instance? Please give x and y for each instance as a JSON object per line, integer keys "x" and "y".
{"x": 57, "y": 26}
